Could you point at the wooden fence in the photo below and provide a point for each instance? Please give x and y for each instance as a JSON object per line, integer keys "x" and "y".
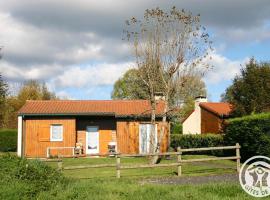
{"x": 179, "y": 162}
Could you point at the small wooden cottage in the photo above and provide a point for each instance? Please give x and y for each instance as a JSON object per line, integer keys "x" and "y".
{"x": 59, "y": 127}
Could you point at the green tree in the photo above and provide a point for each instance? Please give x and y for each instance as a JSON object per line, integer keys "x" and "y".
{"x": 3, "y": 90}
{"x": 46, "y": 94}
{"x": 250, "y": 91}
{"x": 129, "y": 86}
{"x": 34, "y": 90}
{"x": 3, "y": 96}
{"x": 30, "y": 90}
{"x": 194, "y": 86}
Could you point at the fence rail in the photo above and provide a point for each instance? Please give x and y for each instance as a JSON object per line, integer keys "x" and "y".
{"x": 179, "y": 162}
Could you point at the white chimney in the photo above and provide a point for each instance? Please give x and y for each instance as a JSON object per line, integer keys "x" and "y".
{"x": 198, "y": 100}
{"x": 159, "y": 96}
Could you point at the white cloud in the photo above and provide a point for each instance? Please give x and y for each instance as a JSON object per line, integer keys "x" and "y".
{"x": 64, "y": 95}
{"x": 224, "y": 69}
{"x": 91, "y": 75}
{"x": 258, "y": 34}
{"x": 65, "y": 47}
{"x": 30, "y": 72}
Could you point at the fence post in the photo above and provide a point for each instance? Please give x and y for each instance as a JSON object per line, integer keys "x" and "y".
{"x": 60, "y": 164}
{"x": 118, "y": 166}
{"x": 238, "y": 157}
{"x": 48, "y": 152}
{"x": 179, "y": 158}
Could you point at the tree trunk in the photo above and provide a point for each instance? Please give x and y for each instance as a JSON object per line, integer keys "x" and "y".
{"x": 157, "y": 159}
{"x": 153, "y": 130}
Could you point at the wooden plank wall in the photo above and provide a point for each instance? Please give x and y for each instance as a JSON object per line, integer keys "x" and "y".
{"x": 122, "y": 137}
{"x": 128, "y": 137}
{"x": 37, "y": 136}
{"x": 210, "y": 123}
{"x": 105, "y": 136}
{"x": 165, "y": 141}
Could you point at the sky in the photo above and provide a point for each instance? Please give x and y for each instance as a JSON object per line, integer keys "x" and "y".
{"x": 76, "y": 47}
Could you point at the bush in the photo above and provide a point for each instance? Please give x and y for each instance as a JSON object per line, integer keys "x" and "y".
{"x": 8, "y": 140}
{"x": 176, "y": 128}
{"x": 197, "y": 141}
{"x": 25, "y": 179}
{"x": 252, "y": 133}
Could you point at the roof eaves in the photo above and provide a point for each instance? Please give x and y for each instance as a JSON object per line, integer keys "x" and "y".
{"x": 68, "y": 114}
{"x": 136, "y": 115}
{"x": 187, "y": 116}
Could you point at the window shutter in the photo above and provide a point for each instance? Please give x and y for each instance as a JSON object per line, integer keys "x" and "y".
{"x": 44, "y": 133}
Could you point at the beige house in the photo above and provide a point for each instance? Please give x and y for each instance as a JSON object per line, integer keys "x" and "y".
{"x": 207, "y": 117}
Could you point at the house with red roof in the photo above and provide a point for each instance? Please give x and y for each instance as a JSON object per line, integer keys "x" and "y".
{"x": 87, "y": 127}
{"x": 207, "y": 117}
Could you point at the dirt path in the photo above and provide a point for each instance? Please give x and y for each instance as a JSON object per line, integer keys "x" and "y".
{"x": 193, "y": 179}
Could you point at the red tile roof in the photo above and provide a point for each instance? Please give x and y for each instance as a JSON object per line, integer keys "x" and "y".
{"x": 220, "y": 109}
{"x": 90, "y": 107}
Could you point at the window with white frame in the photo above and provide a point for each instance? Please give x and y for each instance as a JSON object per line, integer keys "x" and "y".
{"x": 56, "y": 132}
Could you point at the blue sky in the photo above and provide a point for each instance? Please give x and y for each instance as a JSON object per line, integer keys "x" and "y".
{"x": 76, "y": 47}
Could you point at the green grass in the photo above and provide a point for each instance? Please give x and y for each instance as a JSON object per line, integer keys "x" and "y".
{"x": 8, "y": 140}
{"x": 194, "y": 169}
{"x": 127, "y": 189}
{"x": 30, "y": 179}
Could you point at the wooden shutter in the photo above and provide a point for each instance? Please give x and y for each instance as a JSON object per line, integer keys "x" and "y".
{"x": 44, "y": 133}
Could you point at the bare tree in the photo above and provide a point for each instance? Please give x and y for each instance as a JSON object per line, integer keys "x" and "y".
{"x": 168, "y": 47}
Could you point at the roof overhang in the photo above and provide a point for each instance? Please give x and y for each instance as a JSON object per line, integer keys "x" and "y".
{"x": 67, "y": 114}
{"x": 132, "y": 116}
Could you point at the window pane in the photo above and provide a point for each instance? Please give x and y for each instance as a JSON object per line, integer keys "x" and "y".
{"x": 57, "y": 132}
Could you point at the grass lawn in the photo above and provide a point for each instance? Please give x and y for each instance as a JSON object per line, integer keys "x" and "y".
{"x": 101, "y": 183}
{"x": 30, "y": 179}
{"x": 8, "y": 140}
{"x": 190, "y": 169}
{"x": 129, "y": 189}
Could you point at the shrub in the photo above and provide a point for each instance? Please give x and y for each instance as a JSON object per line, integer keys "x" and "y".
{"x": 252, "y": 133}
{"x": 27, "y": 178}
{"x": 8, "y": 140}
{"x": 176, "y": 128}
{"x": 197, "y": 141}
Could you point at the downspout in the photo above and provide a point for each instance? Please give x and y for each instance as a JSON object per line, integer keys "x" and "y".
{"x": 19, "y": 139}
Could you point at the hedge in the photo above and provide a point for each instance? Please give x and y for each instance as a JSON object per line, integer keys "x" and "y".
{"x": 251, "y": 132}
{"x": 8, "y": 140}
{"x": 197, "y": 141}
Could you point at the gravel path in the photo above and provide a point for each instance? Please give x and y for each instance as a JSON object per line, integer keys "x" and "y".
{"x": 193, "y": 179}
